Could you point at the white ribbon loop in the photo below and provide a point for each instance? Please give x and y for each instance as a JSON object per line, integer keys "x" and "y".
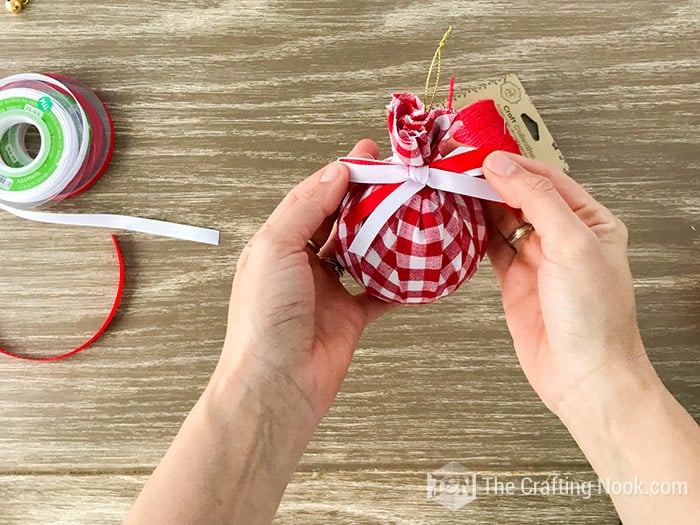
{"x": 381, "y": 214}
{"x": 414, "y": 179}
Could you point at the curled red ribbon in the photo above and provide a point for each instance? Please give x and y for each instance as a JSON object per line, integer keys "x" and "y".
{"x": 100, "y": 331}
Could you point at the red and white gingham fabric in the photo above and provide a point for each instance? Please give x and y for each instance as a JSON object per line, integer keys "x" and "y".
{"x": 435, "y": 241}
{"x": 415, "y": 133}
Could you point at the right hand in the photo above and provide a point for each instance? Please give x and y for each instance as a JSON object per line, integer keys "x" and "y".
{"x": 567, "y": 291}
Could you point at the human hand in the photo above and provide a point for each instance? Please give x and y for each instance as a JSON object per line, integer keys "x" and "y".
{"x": 291, "y": 320}
{"x": 567, "y": 291}
{"x": 569, "y": 304}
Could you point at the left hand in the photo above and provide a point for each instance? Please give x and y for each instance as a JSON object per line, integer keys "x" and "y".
{"x": 292, "y": 324}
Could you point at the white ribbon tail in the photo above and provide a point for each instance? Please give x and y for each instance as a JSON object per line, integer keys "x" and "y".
{"x": 459, "y": 150}
{"x": 365, "y": 171}
{"x": 466, "y": 183}
{"x": 122, "y": 222}
{"x": 382, "y": 213}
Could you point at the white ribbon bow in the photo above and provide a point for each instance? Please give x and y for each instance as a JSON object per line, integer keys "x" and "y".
{"x": 414, "y": 179}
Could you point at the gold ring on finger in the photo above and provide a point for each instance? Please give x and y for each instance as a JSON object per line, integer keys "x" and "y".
{"x": 522, "y": 232}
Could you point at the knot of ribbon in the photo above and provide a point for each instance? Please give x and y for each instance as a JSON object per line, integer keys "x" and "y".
{"x": 420, "y": 174}
{"x": 458, "y": 172}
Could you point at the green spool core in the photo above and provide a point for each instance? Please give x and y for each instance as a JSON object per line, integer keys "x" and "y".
{"x": 13, "y": 146}
{"x": 27, "y": 173}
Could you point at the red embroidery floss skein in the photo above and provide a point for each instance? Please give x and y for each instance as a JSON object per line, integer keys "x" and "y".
{"x": 482, "y": 126}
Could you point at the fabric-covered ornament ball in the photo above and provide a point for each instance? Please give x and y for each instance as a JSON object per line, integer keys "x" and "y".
{"x": 435, "y": 240}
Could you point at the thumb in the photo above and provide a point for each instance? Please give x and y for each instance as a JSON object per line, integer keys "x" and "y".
{"x": 305, "y": 208}
{"x": 536, "y": 195}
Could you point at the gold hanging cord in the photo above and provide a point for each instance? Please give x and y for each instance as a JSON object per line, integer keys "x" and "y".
{"x": 437, "y": 57}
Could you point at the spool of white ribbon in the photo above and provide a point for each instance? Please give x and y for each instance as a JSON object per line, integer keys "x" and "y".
{"x": 71, "y": 155}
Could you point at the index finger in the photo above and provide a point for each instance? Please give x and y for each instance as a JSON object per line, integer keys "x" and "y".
{"x": 538, "y": 198}
{"x": 582, "y": 203}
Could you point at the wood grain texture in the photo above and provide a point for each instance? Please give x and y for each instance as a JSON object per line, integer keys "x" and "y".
{"x": 220, "y": 107}
{"x": 364, "y": 497}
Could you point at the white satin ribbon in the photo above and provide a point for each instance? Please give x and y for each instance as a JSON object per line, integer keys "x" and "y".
{"x": 121, "y": 222}
{"x": 414, "y": 179}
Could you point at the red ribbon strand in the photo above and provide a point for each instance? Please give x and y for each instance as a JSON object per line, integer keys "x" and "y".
{"x": 100, "y": 331}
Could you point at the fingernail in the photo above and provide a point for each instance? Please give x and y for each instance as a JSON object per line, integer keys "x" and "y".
{"x": 501, "y": 164}
{"x": 331, "y": 172}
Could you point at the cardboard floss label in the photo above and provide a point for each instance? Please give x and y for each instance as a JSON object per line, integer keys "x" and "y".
{"x": 524, "y": 122}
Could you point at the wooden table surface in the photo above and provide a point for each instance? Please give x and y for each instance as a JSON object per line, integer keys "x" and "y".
{"x": 220, "y": 107}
